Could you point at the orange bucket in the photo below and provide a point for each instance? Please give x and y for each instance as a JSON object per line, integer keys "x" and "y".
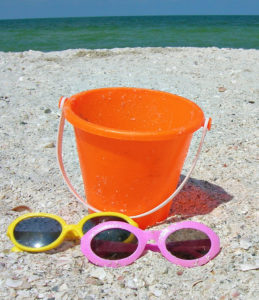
{"x": 132, "y": 144}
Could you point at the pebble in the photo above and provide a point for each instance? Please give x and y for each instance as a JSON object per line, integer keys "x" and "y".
{"x": 63, "y": 287}
{"x": 98, "y": 273}
{"x": 245, "y": 243}
{"x": 32, "y": 278}
{"x": 150, "y": 279}
{"x": 134, "y": 283}
{"x": 157, "y": 292}
{"x": 47, "y": 111}
{"x": 93, "y": 281}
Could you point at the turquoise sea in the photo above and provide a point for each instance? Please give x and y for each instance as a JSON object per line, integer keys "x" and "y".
{"x": 135, "y": 31}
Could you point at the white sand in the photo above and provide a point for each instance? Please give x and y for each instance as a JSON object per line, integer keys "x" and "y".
{"x": 222, "y": 192}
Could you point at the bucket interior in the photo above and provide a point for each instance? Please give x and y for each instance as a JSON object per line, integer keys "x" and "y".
{"x": 140, "y": 110}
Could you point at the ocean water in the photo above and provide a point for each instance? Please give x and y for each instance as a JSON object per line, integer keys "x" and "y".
{"x": 135, "y": 31}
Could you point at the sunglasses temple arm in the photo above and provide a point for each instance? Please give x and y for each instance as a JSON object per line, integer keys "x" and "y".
{"x": 16, "y": 249}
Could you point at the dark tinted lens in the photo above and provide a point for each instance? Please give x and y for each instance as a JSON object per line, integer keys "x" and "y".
{"x": 37, "y": 232}
{"x": 188, "y": 243}
{"x": 97, "y": 220}
{"x": 114, "y": 244}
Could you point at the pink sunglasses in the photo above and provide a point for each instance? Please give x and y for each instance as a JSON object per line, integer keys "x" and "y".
{"x": 115, "y": 244}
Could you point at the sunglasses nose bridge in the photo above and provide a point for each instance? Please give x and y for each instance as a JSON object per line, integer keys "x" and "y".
{"x": 152, "y": 235}
{"x": 72, "y": 231}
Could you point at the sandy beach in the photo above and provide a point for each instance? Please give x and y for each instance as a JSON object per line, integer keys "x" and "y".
{"x": 222, "y": 192}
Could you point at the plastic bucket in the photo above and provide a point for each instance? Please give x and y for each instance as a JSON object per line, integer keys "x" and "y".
{"x": 132, "y": 144}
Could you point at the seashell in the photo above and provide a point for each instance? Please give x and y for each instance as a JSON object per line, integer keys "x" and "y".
{"x": 222, "y": 89}
{"x": 13, "y": 283}
{"x": 21, "y": 208}
{"x": 248, "y": 267}
{"x": 49, "y": 145}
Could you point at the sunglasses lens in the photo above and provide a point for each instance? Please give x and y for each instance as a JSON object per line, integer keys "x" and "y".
{"x": 188, "y": 244}
{"x": 114, "y": 244}
{"x": 97, "y": 220}
{"x": 37, "y": 232}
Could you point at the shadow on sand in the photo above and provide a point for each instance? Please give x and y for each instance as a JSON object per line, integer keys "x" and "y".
{"x": 198, "y": 197}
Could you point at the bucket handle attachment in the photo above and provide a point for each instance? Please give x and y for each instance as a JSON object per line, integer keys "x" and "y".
{"x": 206, "y": 127}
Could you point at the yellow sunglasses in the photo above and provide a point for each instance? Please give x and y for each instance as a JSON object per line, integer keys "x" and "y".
{"x": 38, "y": 232}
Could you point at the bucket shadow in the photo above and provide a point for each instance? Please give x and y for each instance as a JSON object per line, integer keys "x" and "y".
{"x": 198, "y": 197}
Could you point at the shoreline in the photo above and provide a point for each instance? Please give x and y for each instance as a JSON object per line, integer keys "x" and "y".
{"x": 130, "y": 48}
{"x": 221, "y": 192}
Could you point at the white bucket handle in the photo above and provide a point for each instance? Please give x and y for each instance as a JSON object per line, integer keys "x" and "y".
{"x": 206, "y": 126}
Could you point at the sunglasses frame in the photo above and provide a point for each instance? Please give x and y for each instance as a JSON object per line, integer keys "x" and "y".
{"x": 143, "y": 238}
{"x": 69, "y": 231}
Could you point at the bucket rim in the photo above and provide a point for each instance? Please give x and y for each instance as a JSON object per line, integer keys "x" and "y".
{"x": 120, "y": 134}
